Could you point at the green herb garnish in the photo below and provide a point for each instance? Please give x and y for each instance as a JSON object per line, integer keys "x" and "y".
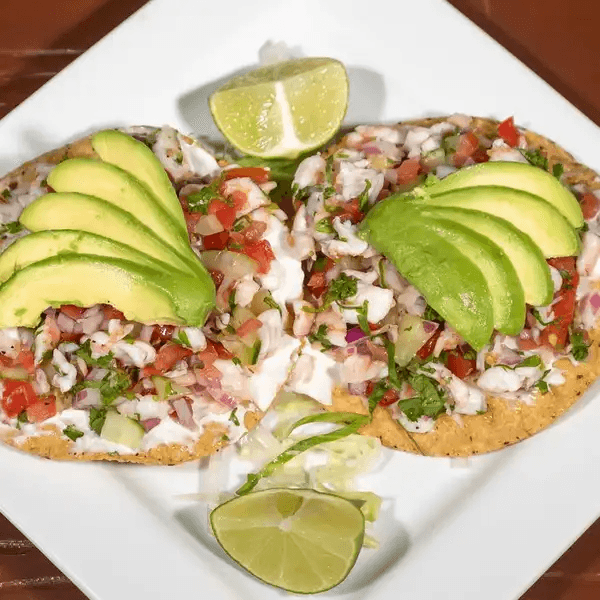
{"x": 270, "y": 301}
{"x": 233, "y": 418}
{"x": 85, "y": 353}
{"x": 182, "y": 339}
{"x": 535, "y": 157}
{"x": 97, "y": 418}
{"x": 321, "y": 336}
{"x": 363, "y": 199}
{"x": 324, "y": 226}
{"x": 199, "y": 201}
{"x": 429, "y": 401}
{"x": 10, "y": 228}
{"x": 72, "y": 432}
{"x": 361, "y": 316}
{"x": 579, "y": 347}
{"x": 558, "y": 170}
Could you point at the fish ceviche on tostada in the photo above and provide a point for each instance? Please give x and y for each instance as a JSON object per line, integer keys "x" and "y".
{"x": 455, "y": 281}
{"x": 162, "y": 278}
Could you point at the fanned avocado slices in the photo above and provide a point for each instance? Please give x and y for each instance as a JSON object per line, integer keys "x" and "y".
{"x": 141, "y": 293}
{"x": 105, "y": 181}
{"x": 46, "y": 244}
{"x": 530, "y": 214}
{"x": 59, "y": 211}
{"x": 519, "y": 176}
{"x": 525, "y": 256}
{"x": 450, "y": 281}
{"x": 134, "y": 157}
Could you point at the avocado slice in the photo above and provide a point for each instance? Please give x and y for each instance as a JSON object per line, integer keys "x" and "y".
{"x": 526, "y": 258}
{"x": 519, "y": 176}
{"x": 45, "y": 244}
{"x": 532, "y": 215}
{"x": 141, "y": 293}
{"x": 450, "y": 281}
{"x": 134, "y": 157}
{"x": 105, "y": 181}
{"x": 506, "y": 292}
{"x": 60, "y": 211}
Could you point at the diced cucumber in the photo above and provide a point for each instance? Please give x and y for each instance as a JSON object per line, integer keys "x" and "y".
{"x": 411, "y": 336}
{"x": 120, "y": 429}
{"x": 163, "y": 385}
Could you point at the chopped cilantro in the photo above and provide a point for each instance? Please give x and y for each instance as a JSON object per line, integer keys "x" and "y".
{"x": 542, "y": 386}
{"x": 182, "y": 338}
{"x": 270, "y": 301}
{"x": 535, "y": 157}
{"x": 579, "y": 347}
{"x": 22, "y": 419}
{"x": 363, "y": 199}
{"x": 321, "y": 336}
{"x": 394, "y": 377}
{"x": 342, "y": 288}
{"x": 199, "y": 201}
{"x": 255, "y": 352}
{"x": 178, "y": 158}
{"x": 231, "y": 300}
{"x": 530, "y": 361}
{"x": 233, "y": 418}
{"x": 320, "y": 264}
{"x": 72, "y": 432}
{"x": 536, "y": 313}
{"x": 281, "y": 171}
{"x": 324, "y": 226}
{"x": 429, "y": 399}
{"x": 361, "y": 315}
{"x": 12, "y": 227}
{"x": 300, "y": 194}
{"x": 6, "y": 193}
{"x": 376, "y": 396}
{"x": 85, "y": 353}
{"x": 558, "y": 170}
{"x": 111, "y": 386}
{"x": 97, "y": 418}
{"x": 431, "y": 315}
{"x": 236, "y": 361}
{"x": 470, "y": 354}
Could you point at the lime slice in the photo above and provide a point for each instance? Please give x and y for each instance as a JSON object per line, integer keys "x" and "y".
{"x": 300, "y": 540}
{"x": 284, "y": 109}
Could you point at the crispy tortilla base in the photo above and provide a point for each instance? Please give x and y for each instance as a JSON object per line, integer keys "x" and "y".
{"x": 50, "y": 443}
{"x": 504, "y": 423}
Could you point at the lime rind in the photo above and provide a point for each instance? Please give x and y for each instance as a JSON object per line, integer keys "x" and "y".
{"x": 302, "y": 541}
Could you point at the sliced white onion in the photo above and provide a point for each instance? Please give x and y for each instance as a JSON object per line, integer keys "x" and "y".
{"x": 208, "y": 224}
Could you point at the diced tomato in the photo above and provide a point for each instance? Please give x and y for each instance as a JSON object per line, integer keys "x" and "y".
{"x": 16, "y": 397}
{"x": 467, "y": 145}
{"x": 216, "y": 241}
{"x": 223, "y": 211}
{"x": 427, "y": 348}
{"x": 262, "y": 253}
{"x": 351, "y": 211}
{"x": 110, "y": 312}
{"x": 72, "y": 311}
{"x": 219, "y": 349}
{"x": 389, "y": 398}
{"x": 526, "y": 341}
{"x": 43, "y": 409}
{"x": 556, "y": 333}
{"x": 169, "y": 354}
{"x": 508, "y": 132}
{"x": 480, "y": 155}
{"x": 317, "y": 284}
{"x": 161, "y": 333}
{"x": 217, "y": 277}
{"x": 459, "y": 365}
{"x": 257, "y": 174}
{"x": 26, "y": 359}
{"x": 408, "y": 171}
{"x": 248, "y": 327}
{"x": 5, "y": 361}
{"x": 590, "y": 205}
{"x": 254, "y": 231}
{"x": 149, "y": 371}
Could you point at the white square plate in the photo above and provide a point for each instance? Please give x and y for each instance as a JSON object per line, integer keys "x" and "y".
{"x": 484, "y": 528}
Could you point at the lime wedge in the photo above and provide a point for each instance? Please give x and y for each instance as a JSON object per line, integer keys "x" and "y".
{"x": 300, "y": 540}
{"x": 282, "y": 110}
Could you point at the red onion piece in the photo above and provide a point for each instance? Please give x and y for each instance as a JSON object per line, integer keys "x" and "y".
{"x": 184, "y": 413}
{"x": 430, "y": 326}
{"x": 65, "y": 323}
{"x": 354, "y": 334}
{"x": 358, "y": 389}
{"x": 371, "y": 149}
{"x": 87, "y": 397}
{"x": 594, "y": 301}
{"x": 149, "y": 424}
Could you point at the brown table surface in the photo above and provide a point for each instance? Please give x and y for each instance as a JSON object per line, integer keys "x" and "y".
{"x": 558, "y": 40}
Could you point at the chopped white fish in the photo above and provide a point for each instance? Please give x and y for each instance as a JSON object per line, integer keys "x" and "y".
{"x": 198, "y": 159}
{"x": 314, "y": 374}
{"x": 302, "y": 241}
{"x": 245, "y": 289}
{"x": 195, "y": 337}
{"x": 467, "y": 398}
{"x": 357, "y": 368}
{"x": 499, "y": 380}
{"x": 255, "y": 196}
{"x": 353, "y": 177}
{"x": 348, "y": 242}
{"x": 334, "y": 321}
{"x": 309, "y": 172}
{"x": 303, "y": 319}
{"x": 137, "y": 353}
{"x": 67, "y": 373}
